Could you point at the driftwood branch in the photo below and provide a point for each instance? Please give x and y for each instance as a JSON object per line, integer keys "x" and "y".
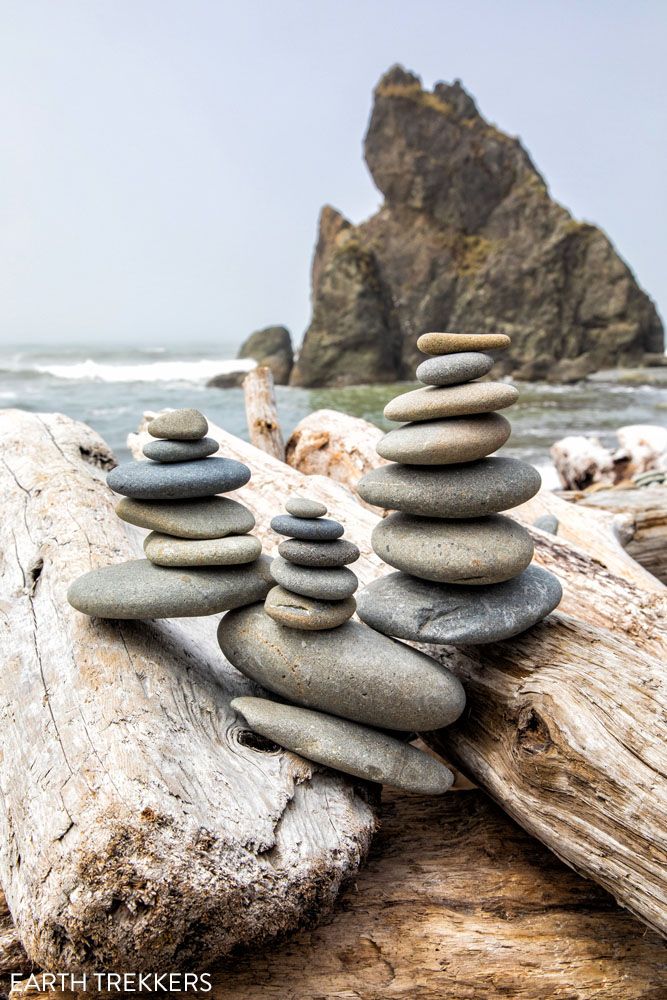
{"x": 262, "y": 412}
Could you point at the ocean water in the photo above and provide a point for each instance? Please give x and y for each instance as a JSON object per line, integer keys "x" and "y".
{"x": 109, "y": 388}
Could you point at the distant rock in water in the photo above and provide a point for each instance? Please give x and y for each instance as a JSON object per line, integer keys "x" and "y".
{"x": 467, "y": 239}
{"x": 271, "y": 347}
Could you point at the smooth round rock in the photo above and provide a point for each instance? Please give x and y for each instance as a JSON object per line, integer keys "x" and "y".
{"x": 547, "y": 522}
{"x": 208, "y": 517}
{"x": 179, "y": 425}
{"x": 453, "y": 343}
{"x": 164, "y": 550}
{"x": 338, "y": 553}
{"x": 402, "y": 606}
{"x": 452, "y": 369}
{"x": 475, "y": 552}
{"x": 180, "y": 451}
{"x": 303, "y": 507}
{"x": 178, "y": 480}
{"x": 319, "y": 529}
{"x": 351, "y": 671}
{"x": 345, "y": 746}
{"x": 139, "y": 589}
{"x": 298, "y": 611}
{"x": 445, "y": 442}
{"x": 433, "y": 402}
{"x": 323, "y": 584}
{"x": 468, "y": 490}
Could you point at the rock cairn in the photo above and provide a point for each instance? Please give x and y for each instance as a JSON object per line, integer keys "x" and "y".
{"x": 465, "y": 573}
{"x": 352, "y": 686}
{"x": 200, "y": 558}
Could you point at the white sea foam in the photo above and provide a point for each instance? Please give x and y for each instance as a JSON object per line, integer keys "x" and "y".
{"x": 155, "y": 371}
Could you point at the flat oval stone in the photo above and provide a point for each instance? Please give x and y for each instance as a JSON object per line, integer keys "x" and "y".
{"x": 179, "y": 425}
{"x": 323, "y": 584}
{"x": 468, "y": 490}
{"x": 351, "y": 671}
{"x": 452, "y": 343}
{"x": 475, "y": 552}
{"x": 433, "y": 402}
{"x": 338, "y": 553}
{"x": 298, "y": 611}
{"x": 408, "y": 608}
{"x": 547, "y": 522}
{"x": 178, "y": 480}
{"x": 303, "y": 507}
{"x": 445, "y": 442}
{"x": 164, "y": 550}
{"x": 452, "y": 369}
{"x": 208, "y": 517}
{"x": 320, "y": 529}
{"x": 345, "y": 746}
{"x": 138, "y": 589}
{"x": 180, "y": 451}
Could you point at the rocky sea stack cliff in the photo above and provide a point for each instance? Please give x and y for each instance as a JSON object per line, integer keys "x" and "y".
{"x": 468, "y": 238}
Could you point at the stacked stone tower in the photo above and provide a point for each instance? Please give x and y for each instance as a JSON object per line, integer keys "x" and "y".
{"x": 465, "y": 573}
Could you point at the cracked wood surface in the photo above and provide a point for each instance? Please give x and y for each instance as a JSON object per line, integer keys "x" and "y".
{"x": 139, "y": 828}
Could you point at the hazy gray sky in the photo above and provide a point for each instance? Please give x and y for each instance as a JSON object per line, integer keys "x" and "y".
{"x": 163, "y": 162}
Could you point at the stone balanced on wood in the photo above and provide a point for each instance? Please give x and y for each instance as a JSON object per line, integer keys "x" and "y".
{"x": 200, "y": 558}
{"x": 465, "y": 573}
{"x": 344, "y": 677}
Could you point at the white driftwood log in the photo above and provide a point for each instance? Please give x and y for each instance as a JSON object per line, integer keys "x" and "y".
{"x": 582, "y": 462}
{"x": 262, "y": 412}
{"x": 139, "y": 829}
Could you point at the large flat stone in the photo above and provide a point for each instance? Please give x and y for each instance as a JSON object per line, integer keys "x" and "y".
{"x": 207, "y": 517}
{"x": 445, "y": 442}
{"x": 178, "y": 480}
{"x": 433, "y": 402}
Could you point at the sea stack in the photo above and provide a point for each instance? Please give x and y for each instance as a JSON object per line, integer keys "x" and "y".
{"x": 464, "y": 568}
{"x": 351, "y": 686}
{"x": 200, "y": 558}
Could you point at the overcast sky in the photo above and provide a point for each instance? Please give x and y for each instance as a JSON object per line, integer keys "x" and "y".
{"x": 163, "y": 162}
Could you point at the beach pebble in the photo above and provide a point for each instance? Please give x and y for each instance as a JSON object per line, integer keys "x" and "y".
{"x": 208, "y": 517}
{"x": 318, "y": 529}
{"x": 179, "y": 425}
{"x": 180, "y": 451}
{"x": 474, "y": 552}
{"x": 323, "y": 584}
{"x": 303, "y": 507}
{"x": 547, "y": 522}
{"x": 452, "y": 369}
{"x": 298, "y": 611}
{"x": 345, "y": 746}
{"x": 408, "y": 608}
{"x": 164, "y": 550}
{"x": 139, "y": 589}
{"x": 338, "y": 553}
{"x": 433, "y": 402}
{"x": 453, "y": 343}
{"x": 468, "y": 490}
{"x": 178, "y": 480}
{"x": 351, "y": 671}
{"x": 445, "y": 442}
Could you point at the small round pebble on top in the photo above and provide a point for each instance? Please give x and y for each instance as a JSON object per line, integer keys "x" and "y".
{"x": 179, "y": 425}
{"x": 302, "y": 507}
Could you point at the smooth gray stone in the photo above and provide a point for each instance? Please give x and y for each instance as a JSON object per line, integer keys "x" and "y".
{"x": 452, "y": 369}
{"x": 470, "y": 489}
{"x": 138, "y": 589}
{"x": 303, "y": 507}
{"x": 547, "y": 522}
{"x": 179, "y": 425}
{"x": 319, "y": 529}
{"x": 475, "y": 552}
{"x": 297, "y": 611}
{"x": 345, "y": 746}
{"x": 338, "y": 553}
{"x": 208, "y": 517}
{"x": 447, "y": 441}
{"x": 351, "y": 671}
{"x": 178, "y": 480}
{"x": 323, "y": 584}
{"x": 165, "y": 550}
{"x": 180, "y": 451}
{"x": 433, "y": 402}
{"x": 402, "y": 606}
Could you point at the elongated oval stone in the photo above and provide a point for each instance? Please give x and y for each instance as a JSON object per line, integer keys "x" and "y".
{"x": 298, "y": 611}
{"x": 207, "y": 517}
{"x": 451, "y": 343}
{"x": 178, "y": 480}
{"x": 445, "y": 442}
{"x": 319, "y": 529}
{"x": 408, "y": 608}
{"x": 452, "y": 369}
{"x": 179, "y": 425}
{"x": 351, "y": 671}
{"x": 433, "y": 402}
{"x": 325, "y": 584}
{"x": 468, "y": 490}
{"x": 164, "y": 550}
{"x": 338, "y": 553}
{"x": 475, "y": 552}
{"x": 180, "y": 451}
{"x": 303, "y": 507}
{"x": 345, "y": 746}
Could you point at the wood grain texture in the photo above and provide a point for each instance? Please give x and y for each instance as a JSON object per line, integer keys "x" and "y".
{"x": 262, "y": 412}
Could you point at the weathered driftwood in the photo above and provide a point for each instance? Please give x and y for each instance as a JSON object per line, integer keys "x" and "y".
{"x": 262, "y": 412}
{"x": 582, "y": 462}
{"x": 138, "y": 827}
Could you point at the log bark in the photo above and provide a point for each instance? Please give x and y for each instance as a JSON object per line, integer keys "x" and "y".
{"x": 140, "y": 826}
{"x": 262, "y": 412}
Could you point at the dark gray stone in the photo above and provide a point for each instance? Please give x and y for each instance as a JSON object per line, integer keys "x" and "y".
{"x": 207, "y": 517}
{"x": 452, "y": 369}
{"x": 178, "y": 480}
{"x": 179, "y": 425}
{"x": 323, "y": 584}
{"x": 298, "y": 611}
{"x": 338, "y": 553}
{"x": 547, "y": 522}
{"x": 180, "y": 451}
{"x": 319, "y": 529}
{"x": 303, "y": 507}
{"x": 165, "y": 550}
{"x": 446, "y": 442}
